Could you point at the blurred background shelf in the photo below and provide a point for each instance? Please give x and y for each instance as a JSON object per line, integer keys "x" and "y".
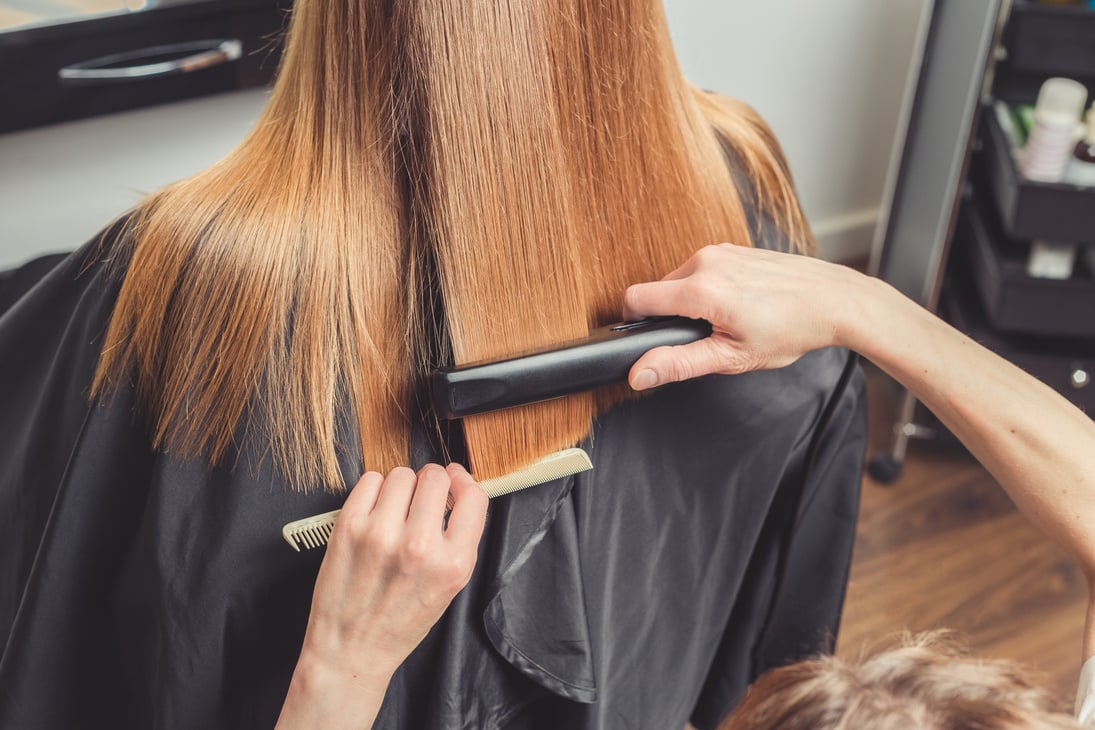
{"x": 1050, "y": 40}
{"x": 1028, "y": 208}
{"x": 1013, "y": 301}
{"x": 40, "y": 38}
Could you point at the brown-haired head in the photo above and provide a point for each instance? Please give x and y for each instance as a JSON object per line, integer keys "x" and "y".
{"x": 518, "y": 164}
{"x": 929, "y": 682}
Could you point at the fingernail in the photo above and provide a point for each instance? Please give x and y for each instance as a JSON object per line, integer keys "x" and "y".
{"x": 644, "y": 379}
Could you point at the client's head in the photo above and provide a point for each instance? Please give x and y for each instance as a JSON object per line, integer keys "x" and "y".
{"x": 927, "y": 683}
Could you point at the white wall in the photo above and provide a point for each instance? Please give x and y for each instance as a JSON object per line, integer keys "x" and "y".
{"x": 828, "y": 76}
{"x": 59, "y": 185}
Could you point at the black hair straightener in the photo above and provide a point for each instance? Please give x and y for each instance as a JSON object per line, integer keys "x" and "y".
{"x": 603, "y": 358}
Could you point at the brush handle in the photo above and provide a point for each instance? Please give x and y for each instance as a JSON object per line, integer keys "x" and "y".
{"x": 603, "y": 358}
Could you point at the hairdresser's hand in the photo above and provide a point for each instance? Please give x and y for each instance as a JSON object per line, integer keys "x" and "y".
{"x": 767, "y": 309}
{"x": 390, "y": 571}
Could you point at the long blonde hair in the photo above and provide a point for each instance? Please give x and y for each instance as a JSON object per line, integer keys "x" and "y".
{"x": 483, "y": 173}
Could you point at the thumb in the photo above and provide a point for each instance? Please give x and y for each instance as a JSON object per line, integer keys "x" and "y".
{"x": 682, "y": 362}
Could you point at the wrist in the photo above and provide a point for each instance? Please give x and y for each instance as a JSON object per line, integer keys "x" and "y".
{"x": 887, "y": 328}
{"x": 331, "y": 692}
{"x": 333, "y": 669}
{"x": 860, "y": 312}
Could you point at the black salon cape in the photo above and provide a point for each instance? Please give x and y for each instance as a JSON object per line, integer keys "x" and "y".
{"x": 138, "y": 590}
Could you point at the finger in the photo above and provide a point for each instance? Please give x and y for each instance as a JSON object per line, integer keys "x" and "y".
{"x": 703, "y": 259}
{"x": 430, "y": 495}
{"x": 396, "y": 492}
{"x": 682, "y": 362}
{"x": 683, "y": 271}
{"x": 469, "y": 511}
{"x": 658, "y": 298}
{"x": 363, "y": 496}
{"x": 355, "y": 510}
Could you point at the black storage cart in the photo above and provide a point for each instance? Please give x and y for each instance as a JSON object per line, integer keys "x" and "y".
{"x": 958, "y": 218}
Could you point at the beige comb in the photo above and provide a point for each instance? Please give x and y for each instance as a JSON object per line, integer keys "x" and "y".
{"x": 315, "y": 531}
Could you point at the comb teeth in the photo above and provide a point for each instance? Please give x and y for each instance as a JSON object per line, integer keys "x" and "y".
{"x": 312, "y": 532}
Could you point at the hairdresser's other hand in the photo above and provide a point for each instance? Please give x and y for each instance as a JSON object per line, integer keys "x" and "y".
{"x": 767, "y": 309}
{"x": 392, "y": 568}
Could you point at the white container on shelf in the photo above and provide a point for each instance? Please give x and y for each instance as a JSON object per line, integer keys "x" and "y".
{"x": 1052, "y": 138}
{"x": 1051, "y": 259}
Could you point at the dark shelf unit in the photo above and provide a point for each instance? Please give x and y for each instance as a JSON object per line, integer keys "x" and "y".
{"x": 1028, "y": 209}
{"x": 34, "y": 94}
{"x": 957, "y": 228}
{"x": 1014, "y": 302}
{"x": 1050, "y": 40}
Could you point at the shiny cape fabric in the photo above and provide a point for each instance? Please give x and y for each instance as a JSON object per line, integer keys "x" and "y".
{"x": 141, "y": 590}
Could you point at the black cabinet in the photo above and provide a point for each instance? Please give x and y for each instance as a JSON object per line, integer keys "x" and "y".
{"x": 1029, "y": 209}
{"x": 1043, "y": 40}
{"x": 1002, "y": 212}
{"x": 959, "y": 219}
{"x": 1012, "y": 301}
{"x": 69, "y": 66}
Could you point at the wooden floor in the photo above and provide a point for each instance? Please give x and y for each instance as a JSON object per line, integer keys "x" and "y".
{"x": 944, "y": 547}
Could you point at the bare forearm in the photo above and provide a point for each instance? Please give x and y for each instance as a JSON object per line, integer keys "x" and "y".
{"x": 1039, "y": 446}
